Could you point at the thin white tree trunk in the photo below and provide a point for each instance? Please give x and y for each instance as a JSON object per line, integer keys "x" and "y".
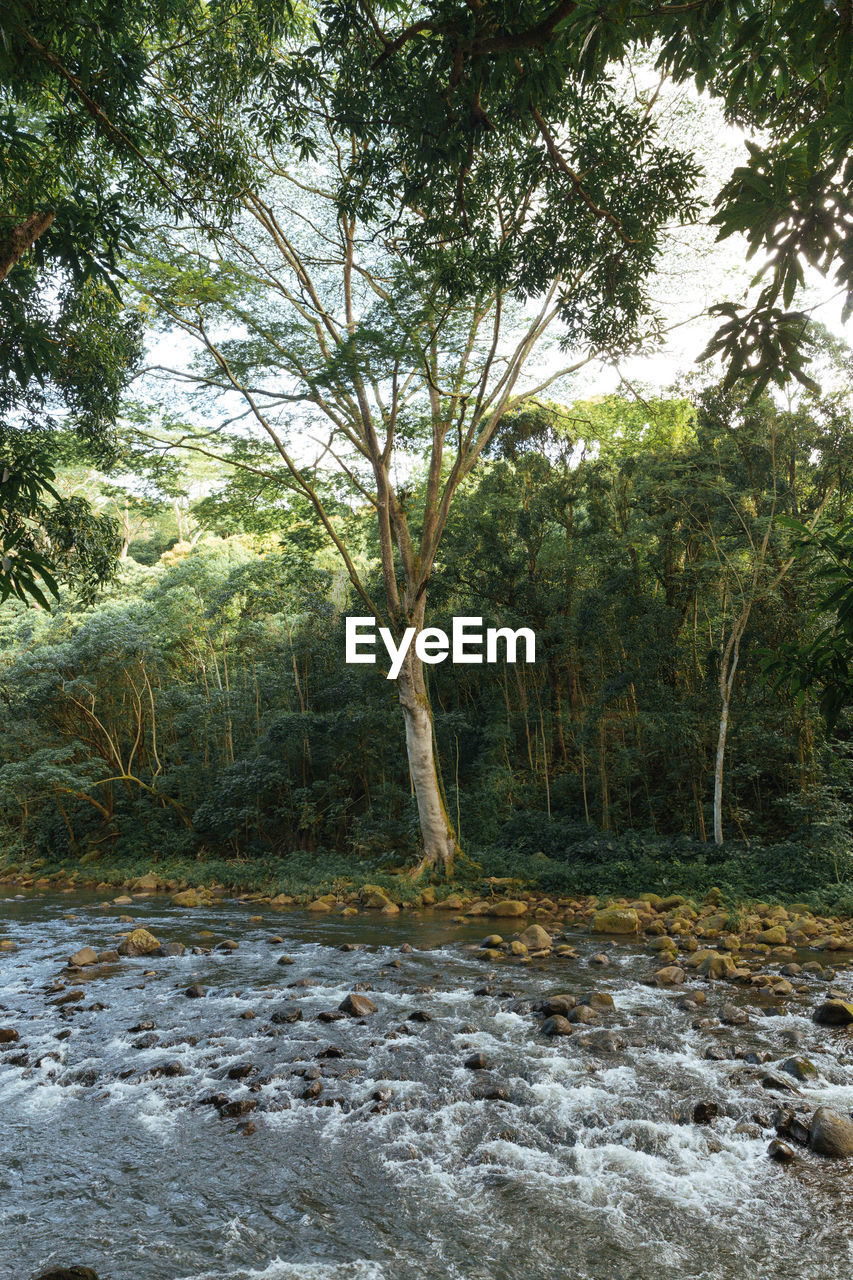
{"x": 718, "y": 772}
{"x": 436, "y": 828}
{"x": 728, "y": 668}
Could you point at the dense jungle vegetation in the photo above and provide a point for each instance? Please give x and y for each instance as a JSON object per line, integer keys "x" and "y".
{"x": 201, "y": 708}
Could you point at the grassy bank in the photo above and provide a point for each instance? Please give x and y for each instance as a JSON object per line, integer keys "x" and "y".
{"x": 607, "y": 867}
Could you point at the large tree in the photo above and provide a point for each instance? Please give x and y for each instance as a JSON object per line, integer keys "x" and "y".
{"x": 315, "y": 326}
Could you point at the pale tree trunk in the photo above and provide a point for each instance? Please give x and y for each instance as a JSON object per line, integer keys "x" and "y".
{"x": 439, "y": 837}
{"x": 728, "y": 670}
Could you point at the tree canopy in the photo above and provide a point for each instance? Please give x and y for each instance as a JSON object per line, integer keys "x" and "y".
{"x": 458, "y": 98}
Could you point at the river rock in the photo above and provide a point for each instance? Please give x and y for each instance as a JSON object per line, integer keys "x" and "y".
{"x": 535, "y": 938}
{"x": 800, "y": 1068}
{"x": 791, "y": 1126}
{"x": 83, "y": 958}
{"x": 598, "y": 1000}
{"x": 453, "y": 902}
{"x": 616, "y": 920}
{"x": 188, "y": 898}
{"x": 834, "y": 1013}
{"x": 508, "y": 907}
{"x": 139, "y": 943}
{"x": 172, "y": 949}
{"x": 476, "y": 1062}
{"x": 830, "y": 1133}
{"x": 287, "y": 1015}
{"x": 718, "y": 965}
{"x": 672, "y": 975}
{"x": 662, "y": 942}
{"x": 67, "y": 1273}
{"x": 705, "y": 1112}
{"x": 238, "y": 1107}
{"x": 778, "y": 1084}
{"x": 357, "y": 1006}
{"x": 556, "y": 1025}
{"x": 195, "y": 992}
{"x": 583, "y": 1014}
{"x": 490, "y": 1091}
{"x": 69, "y": 997}
{"x": 147, "y": 1041}
{"x": 780, "y": 1151}
{"x": 732, "y": 1016}
{"x": 493, "y": 940}
{"x": 602, "y": 1041}
{"x": 561, "y": 1004}
{"x": 147, "y": 883}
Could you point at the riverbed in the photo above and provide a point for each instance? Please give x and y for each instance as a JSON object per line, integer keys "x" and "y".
{"x": 151, "y": 1135}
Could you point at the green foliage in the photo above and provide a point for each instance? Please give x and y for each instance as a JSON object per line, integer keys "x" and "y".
{"x": 511, "y": 87}
{"x": 200, "y": 715}
{"x": 820, "y": 660}
{"x": 91, "y": 139}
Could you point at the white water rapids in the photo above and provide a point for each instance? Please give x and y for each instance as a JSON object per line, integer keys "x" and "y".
{"x": 584, "y": 1163}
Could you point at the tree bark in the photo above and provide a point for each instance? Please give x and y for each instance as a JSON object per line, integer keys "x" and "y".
{"x": 728, "y": 670}
{"x": 21, "y": 238}
{"x": 439, "y": 837}
{"x": 718, "y": 770}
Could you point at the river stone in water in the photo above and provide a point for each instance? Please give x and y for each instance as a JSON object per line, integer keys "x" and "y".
{"x": 616, "y": 920}
{"x": 800, "y": 1068}
{"x": 139, "y": 943}
{"x": 831, "y": 1134}
{"x": 67, "y": 1273}
{"x": 598, "y": 1000}
{"x": 561, "y": 1004}
{"x": 357, "y": 1006}
{"x": 83, "y": 958}
{"x": 535, "y": 938}
{"x": 672, "y": 975}
{"x": 187, "y": 898}
{"x": 834, "y": 1013}
{"x": 508, "y": 907}
{"x": 556, "y": 1026}
{"x": 172, "y": 949}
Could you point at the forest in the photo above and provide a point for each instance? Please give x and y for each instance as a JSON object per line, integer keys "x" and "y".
{"x": 273, "y": 356}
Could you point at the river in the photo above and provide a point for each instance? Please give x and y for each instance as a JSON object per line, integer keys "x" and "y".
{"x": 572, "y": 1156}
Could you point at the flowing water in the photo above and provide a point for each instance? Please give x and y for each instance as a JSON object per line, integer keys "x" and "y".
{"x": 585, "y": 1165}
